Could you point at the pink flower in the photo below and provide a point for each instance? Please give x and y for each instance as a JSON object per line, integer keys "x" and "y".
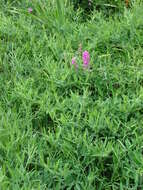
{"x": 86, "y": 59}
{"x": 73, "y": 62}
{"x": 30, "y": 10}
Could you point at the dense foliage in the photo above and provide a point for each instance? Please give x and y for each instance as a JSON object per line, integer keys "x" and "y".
{"x": 64, "y": 127}
{"x": 105, "y": 5}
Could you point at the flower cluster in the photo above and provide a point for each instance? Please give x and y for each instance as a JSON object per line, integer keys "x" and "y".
{"x": 85, "y": 58}
{"x": 30, "y": 10}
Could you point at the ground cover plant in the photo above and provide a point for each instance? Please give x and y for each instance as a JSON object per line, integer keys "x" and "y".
{"x": 71, "y": 96}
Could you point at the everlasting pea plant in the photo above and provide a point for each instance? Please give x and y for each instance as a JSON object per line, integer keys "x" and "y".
{"x": 85, "y": 58}
{"x": 30, "y": 10}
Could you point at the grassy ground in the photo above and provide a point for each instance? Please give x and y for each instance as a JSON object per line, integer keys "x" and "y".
{"x": 67, "y": 128}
